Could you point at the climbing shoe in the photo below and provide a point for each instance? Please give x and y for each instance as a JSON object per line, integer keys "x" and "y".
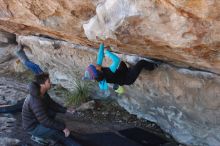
{"x": 118, "y": 89}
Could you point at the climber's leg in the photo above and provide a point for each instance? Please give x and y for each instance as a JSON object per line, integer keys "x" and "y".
{"x": 134, "y": 71}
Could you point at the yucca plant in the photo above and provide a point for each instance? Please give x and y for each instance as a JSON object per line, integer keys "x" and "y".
{"x": 80, "y": 93}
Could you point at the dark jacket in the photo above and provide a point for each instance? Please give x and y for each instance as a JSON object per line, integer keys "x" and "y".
{"x": 35, "y": 110}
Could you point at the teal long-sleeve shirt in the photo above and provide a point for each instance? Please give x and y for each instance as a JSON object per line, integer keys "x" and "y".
{"x": 103, "y": 85}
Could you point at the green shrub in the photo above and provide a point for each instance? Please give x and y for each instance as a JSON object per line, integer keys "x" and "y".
{"x": 80, "y": 93}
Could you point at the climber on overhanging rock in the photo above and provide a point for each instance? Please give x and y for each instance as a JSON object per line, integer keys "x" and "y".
{"x": 117, "y": 73}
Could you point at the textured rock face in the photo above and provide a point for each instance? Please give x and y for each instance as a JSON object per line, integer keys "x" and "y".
{"x": 176, "y": 30}
{"x": 11, "y": 91}
{"x": 185, "y": 31}
{"x": 5, "y": 122}
{"x": 184, "y": 103}
{"x": 6, "y": 37}
{"x": 61, "y": 19}
{"x": 7, "y": 58}
{"x": 5, "y": 141}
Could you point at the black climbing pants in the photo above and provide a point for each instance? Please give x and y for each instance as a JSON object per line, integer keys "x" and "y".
{"x": 133, "y": 72}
